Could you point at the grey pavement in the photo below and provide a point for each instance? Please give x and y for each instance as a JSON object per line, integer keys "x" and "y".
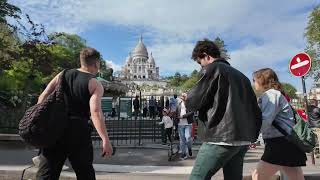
{"x": 128, "y": 163}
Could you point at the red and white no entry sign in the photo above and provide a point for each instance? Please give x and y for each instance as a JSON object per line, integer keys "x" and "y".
{"x": 300, "y": 64}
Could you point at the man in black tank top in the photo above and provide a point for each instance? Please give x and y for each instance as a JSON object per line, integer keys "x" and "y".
{"x": 84, "y": 95}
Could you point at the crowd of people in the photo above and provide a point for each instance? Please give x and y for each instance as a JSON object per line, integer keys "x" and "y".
{"x": 231, "y": 115}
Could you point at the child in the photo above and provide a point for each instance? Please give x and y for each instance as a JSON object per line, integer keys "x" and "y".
{"x": 279, "y": 154}
{"x": 168, "y": 124}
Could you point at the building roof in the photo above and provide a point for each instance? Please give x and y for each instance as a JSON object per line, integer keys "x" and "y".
{"x": 140, "y": 49}
{"x": 151, "y": 59}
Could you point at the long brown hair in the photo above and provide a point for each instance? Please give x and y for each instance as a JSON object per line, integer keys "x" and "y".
{"x": 267, "y": 79}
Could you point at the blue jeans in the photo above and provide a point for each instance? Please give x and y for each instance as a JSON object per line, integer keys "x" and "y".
{"x": 185, "y": 137}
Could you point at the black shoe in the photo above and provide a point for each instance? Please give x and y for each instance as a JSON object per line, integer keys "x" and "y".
{"x": 183, "y": 156}
{"x": 190, "y": 152}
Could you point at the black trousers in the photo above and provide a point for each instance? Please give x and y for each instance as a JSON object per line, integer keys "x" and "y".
{"x": 169, "y": 133}
{"x": 136, "y": 113}
{"x": 76, "y": 145}
{"x": 152, "y": 112}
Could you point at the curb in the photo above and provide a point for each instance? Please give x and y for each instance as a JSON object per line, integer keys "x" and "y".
{"x": 126, "y": 172}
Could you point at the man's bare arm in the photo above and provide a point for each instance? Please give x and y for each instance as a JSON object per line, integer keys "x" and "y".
{"x": 49, "y": 89}
{"x": 95, "y": 108}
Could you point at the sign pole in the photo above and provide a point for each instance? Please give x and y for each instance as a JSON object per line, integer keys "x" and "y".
{"x": 306, "y": 110}
{"x": 299, "y": 66}
{"x": 304, "y": 93}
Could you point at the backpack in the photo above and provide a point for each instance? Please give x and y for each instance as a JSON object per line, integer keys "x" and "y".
{"x": 44, "y": 124}
{"x": 301, "y": 135}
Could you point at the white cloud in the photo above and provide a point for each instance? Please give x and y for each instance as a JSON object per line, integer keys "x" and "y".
{"x": 262, "y": 33}
{"x": 173, "y": 57}
{"x": 177, "y": 18}
{"x": 253, "y": 57}
{"x": 113, "y": 65}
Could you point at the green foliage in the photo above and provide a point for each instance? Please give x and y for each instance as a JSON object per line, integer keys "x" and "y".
{"x": 28, "y": 60}
{"x": 190, "y": 83}
{"x": 8, "y": 46}
{"x": 313, "y": 42}
{"x": 8, "y": 10}
{"x": 177, "y": 80}
{"x": 289, "y": 89}
{"x": 183, "y": 82}
{"x": 220, "y": 43}
{"x": 106, "y": 72}
{"x": 67, "y": 49}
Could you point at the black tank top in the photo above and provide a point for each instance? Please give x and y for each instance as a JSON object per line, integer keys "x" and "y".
{"x": 78, "y": 92}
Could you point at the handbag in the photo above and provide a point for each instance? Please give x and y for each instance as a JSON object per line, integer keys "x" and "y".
{"x": 44, "y": 124}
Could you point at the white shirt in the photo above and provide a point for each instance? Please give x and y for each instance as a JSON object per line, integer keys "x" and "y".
{"x": 167, "y": 121}
{"x": 183, "y": 111}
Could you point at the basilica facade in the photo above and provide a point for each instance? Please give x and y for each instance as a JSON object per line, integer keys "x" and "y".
{"x": 139, "y": 65}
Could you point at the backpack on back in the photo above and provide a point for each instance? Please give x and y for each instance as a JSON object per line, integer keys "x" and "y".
{"x": 44, "y": 124}
{"x": 301, "y": 135}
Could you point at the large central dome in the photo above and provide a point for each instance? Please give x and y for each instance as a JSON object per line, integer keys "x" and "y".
{"x": 140, "y": 49}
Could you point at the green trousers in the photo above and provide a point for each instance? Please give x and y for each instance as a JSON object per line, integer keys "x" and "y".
{"x": 212, "y": 157}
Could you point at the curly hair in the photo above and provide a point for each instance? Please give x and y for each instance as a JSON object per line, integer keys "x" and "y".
{"x": 267, "y": 79}
{"x": 205, "y": 47}
{"x": 89, "y": 56}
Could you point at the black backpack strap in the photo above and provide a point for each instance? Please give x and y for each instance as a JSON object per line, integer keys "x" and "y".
{"x": 279, "y": 128}
{"x": 64, "y": 86}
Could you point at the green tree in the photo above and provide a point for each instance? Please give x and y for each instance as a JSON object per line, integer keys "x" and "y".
{"x": 189, "y": 83}
{"x": 71, "y": 45}
{"x": 289, "y": 89}
{"x": 175, "y": 81}
{"x": 105, "y": 71}
{"x": 9, "y": 43}
{"x": 313, "y": 42}
{"x": 8, "y": 38}
{"x": 194, "y": 73}
{"x": 220, "y": 43}
{"x": 8, "y": 10}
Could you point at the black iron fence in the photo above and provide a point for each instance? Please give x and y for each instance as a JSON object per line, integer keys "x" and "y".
{"x": 129, "y": 126}
{"x": 10, "y": 115}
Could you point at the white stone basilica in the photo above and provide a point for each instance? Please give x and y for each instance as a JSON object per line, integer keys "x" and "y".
{"x": 139, "y": 65}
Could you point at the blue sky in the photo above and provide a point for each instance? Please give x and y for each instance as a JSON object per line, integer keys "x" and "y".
{"x": 258, "y": 34}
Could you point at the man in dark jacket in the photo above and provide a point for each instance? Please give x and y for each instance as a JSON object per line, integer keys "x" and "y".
{"x": 229, "y": 115}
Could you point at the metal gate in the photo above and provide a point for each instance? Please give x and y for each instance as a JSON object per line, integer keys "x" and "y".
{"x": 125, "y": 128}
